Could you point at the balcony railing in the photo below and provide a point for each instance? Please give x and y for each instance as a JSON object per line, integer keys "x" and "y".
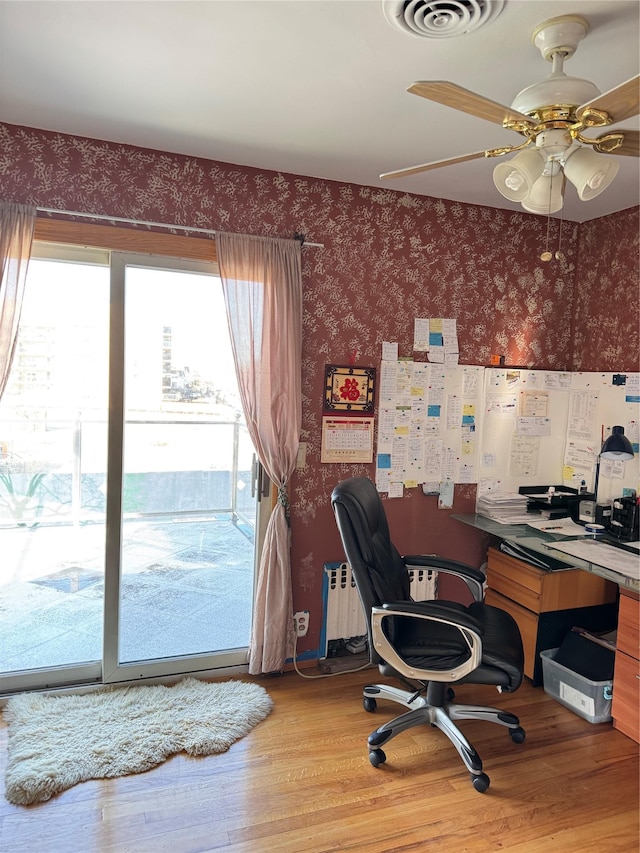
{"x": 178, "y": 467}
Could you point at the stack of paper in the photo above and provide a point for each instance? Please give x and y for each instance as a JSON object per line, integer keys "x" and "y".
{"x": 505, "y": 507}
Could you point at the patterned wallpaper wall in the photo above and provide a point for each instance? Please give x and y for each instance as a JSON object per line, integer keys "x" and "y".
{"x": 607, "y": 323}
{"x": 388, "y": 257}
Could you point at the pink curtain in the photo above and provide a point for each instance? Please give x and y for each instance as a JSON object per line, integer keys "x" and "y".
{"x": 262, "y": 283}
{"x": 17, "y": 222}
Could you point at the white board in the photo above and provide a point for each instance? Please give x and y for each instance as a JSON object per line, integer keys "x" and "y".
{"x": 546, "y": 427}
{"x": 503, "y": 427}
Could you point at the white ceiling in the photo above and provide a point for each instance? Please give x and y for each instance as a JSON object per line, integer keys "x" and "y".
{"x": 313, "y": 88}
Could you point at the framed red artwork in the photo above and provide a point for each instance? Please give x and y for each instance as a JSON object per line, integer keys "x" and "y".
{"x": 349, "y": 389}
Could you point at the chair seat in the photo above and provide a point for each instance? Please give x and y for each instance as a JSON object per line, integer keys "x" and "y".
{"x": 429, "y": 646}
{"x": 501, "y": 644}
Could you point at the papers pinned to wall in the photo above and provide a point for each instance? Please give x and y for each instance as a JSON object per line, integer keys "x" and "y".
{"x": 547, "y": 427}
{"x": 498, "y": 427}
{"x": 438, "y": 337}
{"x": 427, "y": 421}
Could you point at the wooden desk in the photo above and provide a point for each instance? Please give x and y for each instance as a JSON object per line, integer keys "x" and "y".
{"x": 626, "y": 678}
{"x": 548, "y": 604}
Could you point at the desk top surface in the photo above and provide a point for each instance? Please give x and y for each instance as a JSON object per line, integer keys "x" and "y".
{"x": 605, "y": 560}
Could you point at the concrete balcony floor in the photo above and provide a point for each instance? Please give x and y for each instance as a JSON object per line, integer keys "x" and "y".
{"x": 186, "y": 588}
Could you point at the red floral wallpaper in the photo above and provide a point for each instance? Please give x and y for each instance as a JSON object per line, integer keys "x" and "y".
{"x": 388, "y": 257}
{"x": 607, "y": 325}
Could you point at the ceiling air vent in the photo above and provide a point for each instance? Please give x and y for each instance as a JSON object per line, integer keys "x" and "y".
{"x": 440, "y": 18}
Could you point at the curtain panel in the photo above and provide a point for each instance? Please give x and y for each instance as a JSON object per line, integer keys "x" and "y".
{"x": 17, "y": 223}
{"x": 262, "y": 284}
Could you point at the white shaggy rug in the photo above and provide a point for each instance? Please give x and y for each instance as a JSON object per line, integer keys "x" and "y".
{"x": 57, "y": 741}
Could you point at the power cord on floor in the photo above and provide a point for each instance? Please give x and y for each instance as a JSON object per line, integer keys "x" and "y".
{"x": 324, "y": 674}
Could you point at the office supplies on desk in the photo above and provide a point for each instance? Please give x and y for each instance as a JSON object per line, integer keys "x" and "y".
{"x": 551, "y": 501}
{"x": 624, "y": 518}
{"x": 590, "y": 512}
{"x": 615, "y": 448}
{"x": 559, "y": 527}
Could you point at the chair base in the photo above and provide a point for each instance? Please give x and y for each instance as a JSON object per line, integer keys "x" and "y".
{"x": 433, "y": 709}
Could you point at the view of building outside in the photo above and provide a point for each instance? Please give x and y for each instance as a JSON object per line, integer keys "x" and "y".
{"x": 179, "y": 367}
{"x": 57, "y": 387}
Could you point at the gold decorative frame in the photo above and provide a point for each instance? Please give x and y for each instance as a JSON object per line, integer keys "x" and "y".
{"x": 349, "y": 389}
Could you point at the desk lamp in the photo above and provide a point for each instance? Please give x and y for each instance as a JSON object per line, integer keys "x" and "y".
{"x": 617, "y": 447}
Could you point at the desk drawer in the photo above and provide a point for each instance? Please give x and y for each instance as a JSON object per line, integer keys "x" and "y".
{"x": 628, "y": 639}
{"x": 542, "y": 591}
{"x": 513, "y": 590}
{"x": 515, "y": 580}
{"x": 626, "y": 696}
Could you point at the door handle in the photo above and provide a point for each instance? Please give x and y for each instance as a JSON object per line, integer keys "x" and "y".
{"x": 264, "y": 483}
{"x": 260, "y": 482}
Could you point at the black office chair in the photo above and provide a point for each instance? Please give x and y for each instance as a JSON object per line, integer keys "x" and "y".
{"x": 427, "y": 645}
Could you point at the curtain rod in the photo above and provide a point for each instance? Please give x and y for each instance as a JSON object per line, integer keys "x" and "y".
{"x": 297, "y": 236}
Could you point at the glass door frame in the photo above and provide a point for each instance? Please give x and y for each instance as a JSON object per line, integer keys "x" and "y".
{"x": 108, "y": 670}
{"x": 113, "y": 669}
{"x": 89, "y": 672}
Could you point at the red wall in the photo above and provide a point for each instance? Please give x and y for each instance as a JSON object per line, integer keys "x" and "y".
{"x": 607, "y": 328}
{"x": 388, "y": 257}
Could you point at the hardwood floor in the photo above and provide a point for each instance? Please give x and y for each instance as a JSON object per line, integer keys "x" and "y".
{"x": 301, "y": 781}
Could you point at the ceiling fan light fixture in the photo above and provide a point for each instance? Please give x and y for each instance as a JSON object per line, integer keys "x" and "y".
{"x": 545, "y": 196}
{"x": 515, "y": 178}
{"x": 590, "y": 172}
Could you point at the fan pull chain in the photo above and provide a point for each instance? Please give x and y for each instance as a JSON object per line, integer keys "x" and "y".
{"x": 546, "y": 255}
{"x": 559, "y": 254}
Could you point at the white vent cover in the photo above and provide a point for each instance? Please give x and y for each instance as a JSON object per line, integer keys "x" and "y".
{"x": 440, "y": 18}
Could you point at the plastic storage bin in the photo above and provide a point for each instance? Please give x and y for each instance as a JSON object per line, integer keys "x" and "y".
{"x": 589, "y": 699}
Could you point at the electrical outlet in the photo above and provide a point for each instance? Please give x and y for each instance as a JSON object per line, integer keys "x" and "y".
{"x": 301, "y": 622}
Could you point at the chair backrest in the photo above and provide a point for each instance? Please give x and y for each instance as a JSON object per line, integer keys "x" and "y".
{"x": 378, "y": 569}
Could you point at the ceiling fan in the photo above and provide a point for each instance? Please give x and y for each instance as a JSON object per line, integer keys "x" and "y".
{"x": 553, "y": 116}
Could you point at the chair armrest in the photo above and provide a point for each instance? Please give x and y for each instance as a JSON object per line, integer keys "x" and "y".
{"x": 469, "y": 629}
{"x": 435, "y": 610}
{"x": 474, "y": 578}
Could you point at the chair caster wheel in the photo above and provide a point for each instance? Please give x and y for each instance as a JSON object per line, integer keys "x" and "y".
{"x": 369, "y": 704}
{"x": 451, "y": 694}
{"x": 377, "y": 757}
{"x": 518, "y": 735}
{"x": 480, "y": 782}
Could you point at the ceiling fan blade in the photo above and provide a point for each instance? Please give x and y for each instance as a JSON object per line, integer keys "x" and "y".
{"x": 631, "y": 144}
{"x": 455, "y": 96}
{"x": 437, "y": 164}
{"x": 621, "y": 103}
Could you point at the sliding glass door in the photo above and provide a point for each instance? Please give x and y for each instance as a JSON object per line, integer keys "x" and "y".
{"x": 186, "y": 537}
{"x": 129, "y": 527}
{"x": 53, "y": 459}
